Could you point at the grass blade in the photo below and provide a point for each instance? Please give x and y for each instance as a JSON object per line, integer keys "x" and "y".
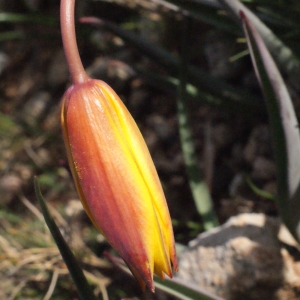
{"x": 29, "y": 18}
{"x": 282, "y": 54}
{"x": 183, "y": 290}
{"x": 283, "y": 123}
{"x": 175, "y": 287}
{"x": 207, "y": 12}
{"x": 171, "y": 84}
{"x": 199, "y": 189}
{"x": 224, "y": 91}
{"x": 78, "y": 277}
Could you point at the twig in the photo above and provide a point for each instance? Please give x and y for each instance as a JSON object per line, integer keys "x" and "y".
{"x": 52, "y": 285}
{"x": 31, "y": 207}
{"x": 17, "y": 289}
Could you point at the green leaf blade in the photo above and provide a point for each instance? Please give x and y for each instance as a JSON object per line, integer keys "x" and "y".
{"x": 78, "y": 277}
{"x": 284, "y": 126}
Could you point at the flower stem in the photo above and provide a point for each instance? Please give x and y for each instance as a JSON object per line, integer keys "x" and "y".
{"x": 67, "y": 23}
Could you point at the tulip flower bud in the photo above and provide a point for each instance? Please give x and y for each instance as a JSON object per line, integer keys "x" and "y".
{"x": 114, "y": 174}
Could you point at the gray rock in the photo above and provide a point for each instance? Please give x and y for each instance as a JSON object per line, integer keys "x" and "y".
{"x": 243, "y": 259}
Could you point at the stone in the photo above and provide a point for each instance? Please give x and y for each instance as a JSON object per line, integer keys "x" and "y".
{"x": 243, "y": 259}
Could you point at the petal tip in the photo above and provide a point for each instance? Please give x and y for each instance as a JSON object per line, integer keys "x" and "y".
{"x": 144, "y": 276}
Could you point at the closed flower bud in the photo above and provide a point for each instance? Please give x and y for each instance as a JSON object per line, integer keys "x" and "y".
{"x": 116, "y": 179}
{"x": 113, "y": 171}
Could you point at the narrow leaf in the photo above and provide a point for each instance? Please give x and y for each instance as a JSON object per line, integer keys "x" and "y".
{"x": 171, "y": 84}
{"x": 283, "y": 55}
{"x": 196, "y": 76}
{"x": 259, "y": 191}
{"x": 207, "y": 12}
{"x": 78, "y": 277}
{"x": 199, "y": 189}
{"x": 28, "y": 18}
{"x": 283, "y": 123}
{"x": 184, "y": 290}
{"x": 176, "y": 287}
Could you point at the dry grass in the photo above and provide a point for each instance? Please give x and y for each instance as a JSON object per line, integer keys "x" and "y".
{"x": 31, "y": 266}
